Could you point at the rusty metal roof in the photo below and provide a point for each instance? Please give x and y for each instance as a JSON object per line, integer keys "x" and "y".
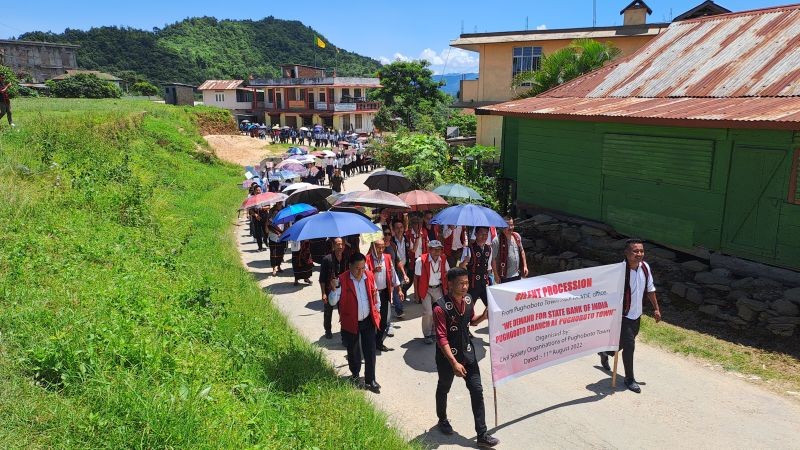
{"x": 220, "y": 85}
{"x": 731, "y": 67}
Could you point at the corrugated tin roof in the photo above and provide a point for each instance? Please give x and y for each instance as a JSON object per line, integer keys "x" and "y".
{"x": 732, "y": 67}
{"x": 220, "y": 85}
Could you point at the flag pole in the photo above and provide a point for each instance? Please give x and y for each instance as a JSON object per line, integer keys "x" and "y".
{"x": 614, "y": 372}
{"x": 494, "y": 388}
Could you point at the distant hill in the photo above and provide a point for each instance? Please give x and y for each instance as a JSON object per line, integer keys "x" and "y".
{"x": 201, "y": 48}
{"x": 452, "y": 81}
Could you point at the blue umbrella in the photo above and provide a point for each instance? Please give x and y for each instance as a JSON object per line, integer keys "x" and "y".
{"x": 455, "y": 190}
{"x": 296, "y": 151}
{"x": 329, "y": 225}
{"x": 469, "y": 215}
{"x": 282, "y": 175}
{"x": 289, "y": 213}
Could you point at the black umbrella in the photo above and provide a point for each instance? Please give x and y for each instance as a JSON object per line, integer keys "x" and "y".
{"x": 311, "y": 194}
{"x": 389, "y": 181}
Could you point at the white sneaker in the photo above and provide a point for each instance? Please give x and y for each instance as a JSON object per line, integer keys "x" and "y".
{"x": 13, "y": 125}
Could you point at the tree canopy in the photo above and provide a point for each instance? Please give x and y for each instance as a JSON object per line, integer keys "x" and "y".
{"x": 411, "y": 98}
{"x": 201, "y": 48}
{"x": 580, "y": 57}
{"x": 83, "y": 85}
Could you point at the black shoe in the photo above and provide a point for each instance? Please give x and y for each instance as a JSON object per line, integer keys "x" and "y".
{"x": 633, "y": 386}
{"x": 604, "y": 361}
{"x": 487, "y": 440}
{"x": 328, "y": 335}
{"x": 374, "y": 387}
{"x": 445, "y": 427}
{"x": 384, "y": 348}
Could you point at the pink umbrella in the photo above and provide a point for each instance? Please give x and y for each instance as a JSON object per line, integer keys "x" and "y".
{"x": 266, "y": 198}
{"x": 291, "y": 164}
{"x": 423, "y": 200}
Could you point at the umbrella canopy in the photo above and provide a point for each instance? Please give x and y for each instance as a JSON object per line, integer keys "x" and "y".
{"x": 295, "y": 186}
{"x": 303, "y": 128}
{"x": 266, "y": 198}
{"x": 423, "y": 200}
{"x": 373, "y": 199}
{"x": 296, "y": 151}
{"x": 455, "y": 190}
{"x": 289, "y": 213}
{"x": 469, "y": 215}
{"x": 282, "y": 175}
{"x": 276, "y": 127}
{"x": 313, "y": 195}
{"x": 303, "y": 159}
{"x": 328, "y": 154}
{"x": 389, "y": 181}
{"x": 333, "y": 198}
{"x": 328, "y": 225}
{"x": 292, "y": 165}
{"x": 247, "y": 183}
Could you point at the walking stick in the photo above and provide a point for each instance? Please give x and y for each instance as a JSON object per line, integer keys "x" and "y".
{"x": 614, "y": 371}
{"x": 495, "y": 405}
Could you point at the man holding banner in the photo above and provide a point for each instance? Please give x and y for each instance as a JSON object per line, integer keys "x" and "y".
{"x": 455, "y": 356}
{"x": 638, "y": 284}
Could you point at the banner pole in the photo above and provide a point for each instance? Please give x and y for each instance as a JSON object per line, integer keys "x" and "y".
{"x": 614, "y": 371}
{"x": 495, "y": 405}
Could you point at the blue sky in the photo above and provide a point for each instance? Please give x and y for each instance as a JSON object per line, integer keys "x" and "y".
{"x": 381, "y": 29}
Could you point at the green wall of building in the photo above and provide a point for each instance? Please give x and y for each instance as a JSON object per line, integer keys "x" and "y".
{"x": 719, "y": 189}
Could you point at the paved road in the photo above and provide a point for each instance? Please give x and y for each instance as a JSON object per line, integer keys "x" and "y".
{"x": 683, "y": 404}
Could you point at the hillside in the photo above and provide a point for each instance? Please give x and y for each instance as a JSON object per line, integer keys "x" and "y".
{"x": 452, "y": 81}
{"x": 197, "y": 49}
{"x": 126, "y": 317}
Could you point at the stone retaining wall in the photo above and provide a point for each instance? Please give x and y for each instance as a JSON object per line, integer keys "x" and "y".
{"x": 756, "y": 303}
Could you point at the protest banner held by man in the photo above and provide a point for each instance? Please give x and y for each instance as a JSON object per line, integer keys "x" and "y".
{"x": 455, "y": 355}
{"x": 358, "y": 313}
{"x": 430, "y": 285}
{"x": 508, "y": 256}
{"x": 382, "y": 266}
{"x": 333, "y": 265}
{"x": 476, "y": 259}
{"x": 638, "y": 285}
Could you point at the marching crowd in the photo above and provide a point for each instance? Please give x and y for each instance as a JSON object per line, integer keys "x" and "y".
{"x": 449, "y": 269}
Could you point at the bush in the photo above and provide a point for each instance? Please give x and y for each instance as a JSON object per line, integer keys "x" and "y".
{"x": 10, "y": 77}
{"x": 83, "y": 85}
{"x": 144, "y": 88}
{"x": 467, "y": 123}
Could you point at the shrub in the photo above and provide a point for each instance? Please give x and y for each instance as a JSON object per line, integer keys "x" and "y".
{"x": 83, "y": 85}
{"x": 10, "y": 77}
{"x": 144, "y": 88}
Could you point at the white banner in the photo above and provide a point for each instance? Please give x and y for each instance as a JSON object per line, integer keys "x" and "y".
{"x": 546, "y": 320}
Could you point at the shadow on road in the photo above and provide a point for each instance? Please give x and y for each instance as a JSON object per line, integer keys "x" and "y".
{"x": 433, "y": 438}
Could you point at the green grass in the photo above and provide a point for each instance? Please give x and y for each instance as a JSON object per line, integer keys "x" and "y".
{"x": 781, "y": 371}
{"x": 126, "y": 318}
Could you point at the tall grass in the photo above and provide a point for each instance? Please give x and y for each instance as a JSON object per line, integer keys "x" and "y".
{"x": 126, "y": 319}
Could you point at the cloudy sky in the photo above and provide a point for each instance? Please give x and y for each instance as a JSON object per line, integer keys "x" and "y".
{"x": 384, "y": 30}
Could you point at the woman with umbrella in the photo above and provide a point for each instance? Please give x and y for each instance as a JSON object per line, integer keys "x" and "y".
{"x": 277, "y": 248}
{"x": 302, "y": 265}
{"x": 257, "y": 219}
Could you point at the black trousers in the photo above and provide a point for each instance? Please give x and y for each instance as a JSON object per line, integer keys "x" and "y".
{"x": 473, "y": 381}
{"x": 627, "y": 342}
{"x": 386, "y": 299}
{"x": 327, "y": 316}
{"x": 410, "y": 274}
{"x": 479, "y": 291}
{"x": 366, "y": 338}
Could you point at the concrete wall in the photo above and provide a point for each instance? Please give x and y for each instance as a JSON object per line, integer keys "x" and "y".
{"x": 41, "y": 60}
{"x": 490, "y": 131}
{"x": 468, "y": 91}
{"x": 494, "y": 73}
{"x": 229, "y": 102}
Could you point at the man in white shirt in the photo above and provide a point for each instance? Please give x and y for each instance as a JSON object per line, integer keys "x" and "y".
{"x": 638, "y": 285}
{"x": 455, "y": 239}
{"x": 430, "y": 284}
{"x": 358, "y": 302}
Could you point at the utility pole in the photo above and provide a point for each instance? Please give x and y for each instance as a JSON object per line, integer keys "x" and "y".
{"x": 462, "y": 26}
{"x": 594, "y": 13}
{"x": 526, "y": 23}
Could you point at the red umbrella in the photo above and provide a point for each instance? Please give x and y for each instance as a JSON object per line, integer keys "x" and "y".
{"x": 423, "y": 200}
{"x": 265, "y": 198}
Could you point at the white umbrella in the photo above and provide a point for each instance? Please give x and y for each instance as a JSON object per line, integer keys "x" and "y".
{"x": 328, "y": 154}
{"x": 295, "y": 186}
{"x": 303, "y": 129}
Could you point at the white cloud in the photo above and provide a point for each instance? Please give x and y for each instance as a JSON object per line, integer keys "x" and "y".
{"x": 541, "y": 27}
{"x": 451, "y": 60}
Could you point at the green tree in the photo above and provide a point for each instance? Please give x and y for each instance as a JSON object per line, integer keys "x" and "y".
{"x": 144, "y": 88}
{"x": 10, "y": 77}
{"x": 83, "y": 85}
{"x": 467, "y": 123}
{"x": 580, "y": 57}
{"x": 410, "y": 94}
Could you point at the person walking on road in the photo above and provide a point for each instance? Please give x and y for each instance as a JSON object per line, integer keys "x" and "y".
{"x": 381, "y": 265}
{"x": 429, "y": 285}
{"x": 358, "y": 312}
{"x": 508, "y": 257}
{"x": 333, "y": 265}
{"x": 476, "y": 259}
{"x": 638, "y": 285}
{"x": 455, "y": 356}
{"x": 397, "y": 294}
{"x": 402, "y": 248}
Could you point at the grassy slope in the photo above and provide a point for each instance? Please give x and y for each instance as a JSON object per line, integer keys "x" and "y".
{"x": 126, "y": 319}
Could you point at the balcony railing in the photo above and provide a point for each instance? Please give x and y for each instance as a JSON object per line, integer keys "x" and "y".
{"x": 295, "y": 105}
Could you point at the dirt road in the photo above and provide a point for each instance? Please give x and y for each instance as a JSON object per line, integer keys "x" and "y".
{"x": 238, "y": 149}
{"x": 682, "y": 405}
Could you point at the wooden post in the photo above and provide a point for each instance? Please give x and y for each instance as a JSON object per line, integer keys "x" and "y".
{"x": 614, "y": 370}
{"x": 495, "y": 405}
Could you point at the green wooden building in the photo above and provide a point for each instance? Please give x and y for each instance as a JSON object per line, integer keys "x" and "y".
{"x": 693, "y": 142}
